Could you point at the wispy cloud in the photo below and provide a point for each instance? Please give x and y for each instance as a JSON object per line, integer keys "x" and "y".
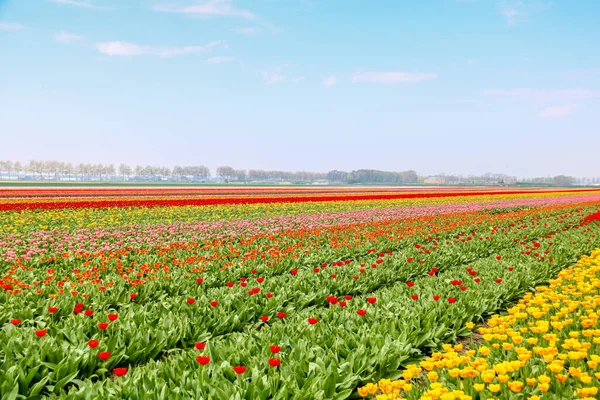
{"x": 274, "y": 76}
{"x": 560, "y": 111}
{"x": 511, "y": 15}
{"x": 65, "y": 37}
{"x": 392, "y": 77}
{"x": 79, "y": 3}
{"x": 247, "y": 31}
{"x": 210, "y": 8}
{"x": 546, "y": 94}
{"x": 11, "y": 27}
{"x": 515, "y": 12}
{"x": 329, "y": 81}
{"x": 118, "y": 48}
{"x": 220, "y": 60}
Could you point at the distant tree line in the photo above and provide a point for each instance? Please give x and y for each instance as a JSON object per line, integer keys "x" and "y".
{"x": 64, "y": 171}
{"x": 559, "y": 180}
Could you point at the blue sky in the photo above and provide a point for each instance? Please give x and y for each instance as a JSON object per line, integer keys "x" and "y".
{"x": 455, "y": 86}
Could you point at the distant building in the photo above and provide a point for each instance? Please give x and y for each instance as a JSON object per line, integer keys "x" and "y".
{"x": 435, "y": 180}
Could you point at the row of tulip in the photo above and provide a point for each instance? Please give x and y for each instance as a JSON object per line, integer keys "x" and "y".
{"x": 64, "y": 338}
{"x": 547, "y": 346}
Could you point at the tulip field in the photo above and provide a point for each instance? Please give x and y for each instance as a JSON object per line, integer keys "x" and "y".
{"x": 287, "y": 293}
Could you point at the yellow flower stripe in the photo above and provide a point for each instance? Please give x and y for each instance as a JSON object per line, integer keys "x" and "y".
{"x": 547, "y": 346}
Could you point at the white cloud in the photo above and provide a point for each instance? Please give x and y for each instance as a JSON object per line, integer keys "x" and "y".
{"x": 220, "y": 60}
{"x": 247, "y": 31}
{"x": 560, "y": 111}
{"x": 512, "y": 15}
{"x": 392, "y": 77}
{"x": 208, "y": 8}
{"x": 329, "y": 81}
{"x": 10, "y": 27}
{"x": 546, "y": 94}
{"x": 274, "y": 76}
{"x": 517, "y": 11}
{"x": 118, "y": 48}
{"x": 78, "y": 3}
{"x": 65, "y": 37}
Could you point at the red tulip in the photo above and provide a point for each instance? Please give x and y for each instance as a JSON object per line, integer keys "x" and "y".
{"x": 463, "y": 288}
{"x": 113, "y": 317}
{"x": 275, "y": 349}
{"x": 274, "y": 362}
{"x": 312, "y": 321}
{"x": 191, "y": 301}
{"x": 214, "y": 303}
{"x": 436, "y": 298}
{"x": 230, "y": 284}
{"x": 342, "y": 304}
{"x": 280, "y": 314}
{"x": 511, "y": 268}
{"x": 260, "y": 280}
{"x": 269, "y": 295}
{"x": 361, "y": 312}
{"x": 104, "y": 355}
{"x": 409, "y": 260}
{"x": 498, "y": 258}
{"x": 414, "y": 297}
{"x": 498, "y": 280}
{"x": 477, "y": 280}
{"x": 103, "y": 325}
{"x": 294, "y": 271}
{"x": 348, "y": 297}
{"x": 77, "y": 310}
{"x": 240, "y": 369}
{"x": 200, "y": 346}
{"x": 93, "y": 343}
{"x": 133, "y": 296}
{"x": 316, "y": 269}
{"x": 333, "y": 276}
{"x": 451, "y": 300}
{"x": 372, "y": 300}
{"x": 15, "y": 321}
{"x": 203, "y": 360}
{"x": 254, "y": 271}
{"x": 243, "y": 284}
{"x": 410, "y": 284}
{"x": 41, "y": 333}
{"x": 264, "y": 318}
{"x": 199, "y": 280}
{"x": 120, "y": 371}
{"x": 52, "y": 310}
{"x": 89, "y": 313}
